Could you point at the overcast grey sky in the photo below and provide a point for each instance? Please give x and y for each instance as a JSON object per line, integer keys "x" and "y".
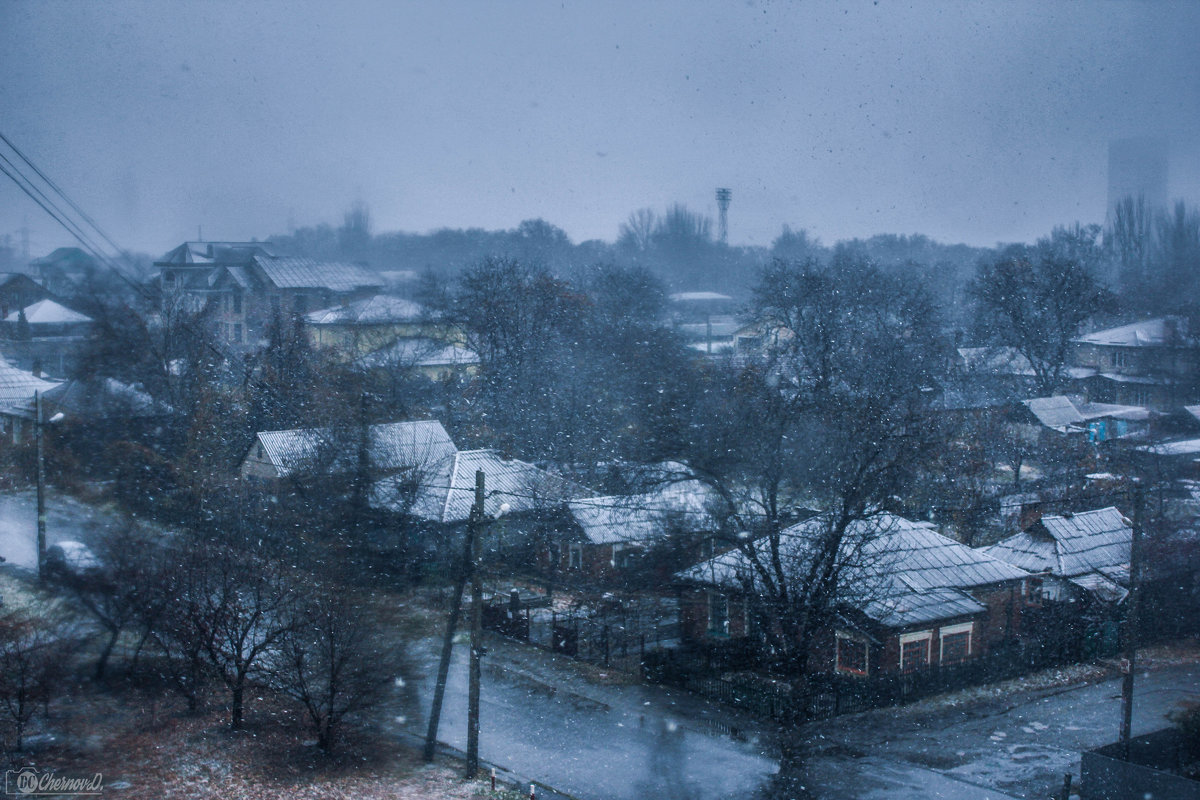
{"x": 972, "y": 122}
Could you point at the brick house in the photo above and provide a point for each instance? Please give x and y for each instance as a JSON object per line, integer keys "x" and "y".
{"x": 914, "y": 598}
{"x": 1154, "y": 363}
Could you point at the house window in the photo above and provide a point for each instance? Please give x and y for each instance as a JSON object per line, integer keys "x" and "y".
{"x": 956, "y": 643}
{"x": 260, "y": 452}
{"x": 1120, "y": 359}
{"x": 237, "y": 302}
{"x": 914, "y": 650}
{"x": 718, "y": 613}
{"x": 300, "y": 304}
{"x": 1034, "y": 590}
{"x": 237, "y": 331}
{"x": 575, "y": 556}
{"x": 851, "y": 655}
{"x": 622, "y": 556}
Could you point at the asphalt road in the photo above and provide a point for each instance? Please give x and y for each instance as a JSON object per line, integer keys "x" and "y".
{"x": 596, "y": 741}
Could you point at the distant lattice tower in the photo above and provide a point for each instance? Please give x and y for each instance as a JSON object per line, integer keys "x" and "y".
{"x": 723, "y": 198}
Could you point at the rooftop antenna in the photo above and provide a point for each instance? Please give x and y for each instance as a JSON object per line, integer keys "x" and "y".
{"x": 723, "y": 198}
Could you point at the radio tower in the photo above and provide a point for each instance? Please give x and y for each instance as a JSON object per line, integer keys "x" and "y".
{"x": 723, "y": 198}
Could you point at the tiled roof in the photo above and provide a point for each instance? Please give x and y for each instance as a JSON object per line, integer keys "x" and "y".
{"x": 48, "y": 312}
{"x": 1069, "y": 546}
{"x": 647, "y": 517}
{"x": 393, "y": 446}
{"x": 378, "y": 310}
{"x": 448, "y": 492}
{"x": 17, "y": 386}
{"x": 306, "y": 273}
{"x": 1055, "y": 412}
{"x": 895, "y": 570}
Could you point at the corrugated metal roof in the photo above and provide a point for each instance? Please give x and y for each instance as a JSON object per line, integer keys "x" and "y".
{"x": 393, "y": 446}
{"x": 377, "y": 310}
{"x": 647, "y": 517}
{"x": 891, "y": 567}
{"x": 1055, "y": 412}
{"x": 1069, "y": 545}
{"x": 17, "y": 386}
{"x": 289, "y": 272}
{"x": 449, "y": 490}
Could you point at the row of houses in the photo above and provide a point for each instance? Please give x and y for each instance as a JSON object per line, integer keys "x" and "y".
{"x": 912, "y": 597}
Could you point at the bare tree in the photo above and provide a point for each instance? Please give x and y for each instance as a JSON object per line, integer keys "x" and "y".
{"x": 1036, "y": 300}
{"x": 637, "y": 231}
{"x": 33, "y": 658}
{"x": 333, "y": 660}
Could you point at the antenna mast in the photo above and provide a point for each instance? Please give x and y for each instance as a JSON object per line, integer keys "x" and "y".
{"x": 723, "y": 198}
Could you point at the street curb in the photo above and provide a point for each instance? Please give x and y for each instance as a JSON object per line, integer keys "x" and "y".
{"x": 504, "y": 775}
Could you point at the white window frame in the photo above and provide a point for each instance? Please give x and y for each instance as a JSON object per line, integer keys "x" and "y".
{"x": 575, "y": 556}
{"x": 721, "y": 599}
{"x": 917, "y": 636}
{"x": 950, "y": 630}
{"x": 841, "y": 636}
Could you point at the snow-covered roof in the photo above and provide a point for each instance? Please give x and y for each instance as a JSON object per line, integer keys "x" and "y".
{"x": 897, "y": 571}
{"x": 647, "y": 517}
{"x": 1179, "y": 447}
{"x": 420, "y": 352}
{"x": 103, "y": 398}
{"x": 17, "y": 386}
{"x": 995, "y": 360}
{"x": 1147, "y": 333}
{"x": 1057, "y": 412}
{"x": 447, "y": 492}
{"x": 1098, "y": 410}
{"x": 1194, "y": 411}
{"x": 291, "y": 272}
{"x": 378, "y": 310}
{"x": 48, "y": 312}
{"x": 691, "y": 297}
{"x": 393, "y": 446}
{"x": 1069, "y": 545}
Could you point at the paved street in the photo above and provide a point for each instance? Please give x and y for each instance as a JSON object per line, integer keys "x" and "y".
{"x": 66, "y": 519}
{"x": 545, "y": 721}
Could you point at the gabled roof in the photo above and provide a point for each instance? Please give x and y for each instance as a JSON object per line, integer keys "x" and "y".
{"x": 448, "y": 492}
{"x": 645, "y": 518}
{"x": 896, "y": 571}
{"x": 206, "y": 253}
{"x": 48, "y": 312}
{"x": 1147, "y": 333}
{"x": 393, "y": 446}
{"x": 103, "y": 398}
{"x": 17, "y": 386}
{"x": 1055, "y": 412}
{"x": 290, "y": 272}
{"x": 378, "y": 310}
{"x": 1069, "y": 545}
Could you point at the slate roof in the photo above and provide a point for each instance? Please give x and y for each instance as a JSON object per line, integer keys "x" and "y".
{"x": 393, "y": 446}
{"x": 103, "y": 398}
{"x": 48, "y": 312}
{"x": 289, "y": 272}
{"x": 17, "y": 386}
{"x": 647, "y": 517}
{"x": 1069, "y": 545}
{"x": 378, "y": 310}
{"x": 448, "y": 490}
{"x": 896, "y": 571}
{"x": 1055, "y": 412}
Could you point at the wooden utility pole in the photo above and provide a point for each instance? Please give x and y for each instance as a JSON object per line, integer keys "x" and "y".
{"x": 466, "y": 568}
{"x": 41, "y": 486}
{"x": 1131, "y": 622}
{"x": 476, "y": 630}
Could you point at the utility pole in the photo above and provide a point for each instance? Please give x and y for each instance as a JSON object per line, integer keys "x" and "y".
{"x": 465, "y": 570}
{"x": 476, "y": 629}
{"x": 41, "y": 486}
{"x": 1131, "y": 621}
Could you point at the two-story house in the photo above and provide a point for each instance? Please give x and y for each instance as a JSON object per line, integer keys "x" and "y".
{"x": 245, "y": 285}
{"x": 1154, "y": 364}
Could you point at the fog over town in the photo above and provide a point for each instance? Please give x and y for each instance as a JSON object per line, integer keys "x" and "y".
{"x": 600, "y": 401}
